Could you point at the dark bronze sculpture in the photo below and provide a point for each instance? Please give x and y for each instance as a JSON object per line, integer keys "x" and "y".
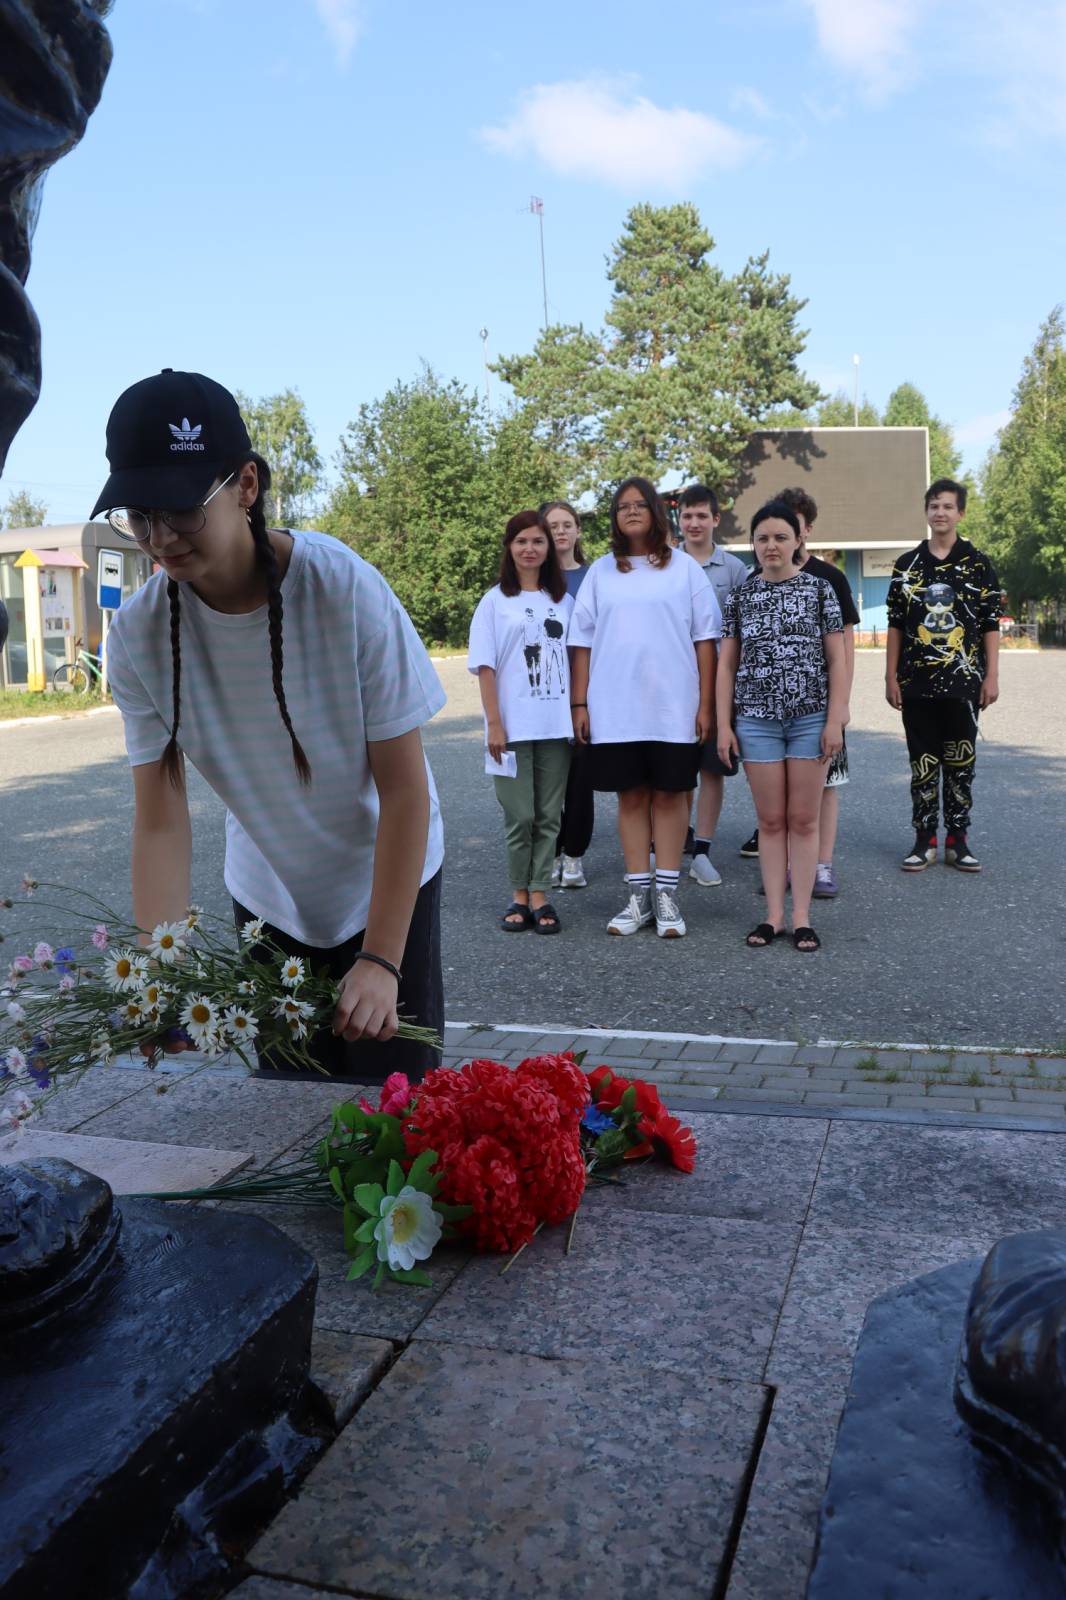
{"x": 54, "y": 57}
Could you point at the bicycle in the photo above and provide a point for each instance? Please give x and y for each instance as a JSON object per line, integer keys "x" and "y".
{"x": 78, "y": 675}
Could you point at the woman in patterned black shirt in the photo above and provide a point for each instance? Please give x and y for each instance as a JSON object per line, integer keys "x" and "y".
{"x": 782, "y": 705}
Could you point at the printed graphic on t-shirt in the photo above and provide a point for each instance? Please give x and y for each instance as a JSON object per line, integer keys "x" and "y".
{"x": 543, "y": 647}
{"x": 943, "y": 609}
{"x": 782, "y": 671}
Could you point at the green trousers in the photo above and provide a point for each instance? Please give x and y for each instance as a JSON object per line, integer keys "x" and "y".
{"x": 532, "y": 805}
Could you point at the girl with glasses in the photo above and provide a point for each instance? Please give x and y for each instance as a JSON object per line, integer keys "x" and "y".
{"x": 283, "y": 667}
{"x": 643, "y": 631}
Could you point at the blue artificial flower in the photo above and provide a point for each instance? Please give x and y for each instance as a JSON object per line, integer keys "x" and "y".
{"x": 38, "y": 1044}
{"x": 178, "y": 1036}
{"x": 596, "y": 1121}
{"x": 64, "y": 958}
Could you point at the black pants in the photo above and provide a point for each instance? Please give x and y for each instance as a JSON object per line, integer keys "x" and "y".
{"x": 421, "y": 1000}
{"x": 579, "y": 805}
{"x": 941, "y": 742}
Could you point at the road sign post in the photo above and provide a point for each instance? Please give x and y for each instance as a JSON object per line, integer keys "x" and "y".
{"x": 108, "y": 598}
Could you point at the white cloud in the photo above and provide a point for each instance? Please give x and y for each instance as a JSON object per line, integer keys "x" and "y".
{"x": 979, "y": 432}
{"x": 343, "y": 22}
{"x": 1022, "y": 52}
{"x": 870, "y": 39}
{"x": 600, "y": 128}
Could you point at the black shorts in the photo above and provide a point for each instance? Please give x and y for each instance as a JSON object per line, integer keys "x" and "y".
{"x": 711, "y": 762}
{"x": 420, "y": 999}
{"x": 644, "y": 764}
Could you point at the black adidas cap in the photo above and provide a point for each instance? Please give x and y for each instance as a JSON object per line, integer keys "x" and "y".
{"x": 168, "y": 439}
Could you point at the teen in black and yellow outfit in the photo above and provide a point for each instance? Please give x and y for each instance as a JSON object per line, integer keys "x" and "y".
{"x": 942, "y": 667}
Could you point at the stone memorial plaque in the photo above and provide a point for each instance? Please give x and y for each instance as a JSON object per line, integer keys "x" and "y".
{"x": 127, "y": 1166}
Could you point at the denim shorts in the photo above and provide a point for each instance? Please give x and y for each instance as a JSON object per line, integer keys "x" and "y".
{"x": 771, "y": 739}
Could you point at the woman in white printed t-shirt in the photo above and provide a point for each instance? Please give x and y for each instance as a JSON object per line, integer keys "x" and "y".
{"x": 284, "y": 668}
{"x": 643, "y": 633}
{"x": 518, "y": 651}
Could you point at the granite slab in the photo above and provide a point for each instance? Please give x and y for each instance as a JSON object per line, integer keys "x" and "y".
{"x": 392, "y": 1312}
{"x": 776, "y": 1546}
{"x": 957, "y": 1181}
{"x": 470, "y": 1474}
{"x": 345, "y": 1368}
{"x": 214, "y": 1108}
{"x": 837, "y": 1273}
{"x": 129, "y": 1166}
{"x": 757, "y": 1168}
{"x": 699, "y": 1295}
{"x": 97, "y": 1090}
{"x": 276, "y": 1589}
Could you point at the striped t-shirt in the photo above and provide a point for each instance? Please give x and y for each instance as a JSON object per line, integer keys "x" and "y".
{"x": 354, "y": 671}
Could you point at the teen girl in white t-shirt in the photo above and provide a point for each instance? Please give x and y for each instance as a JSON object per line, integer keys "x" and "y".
{"x": 579, "y": 805}
{"x": 643, "y": 633}
{"x": 518, "y": 651}
{"x": 285, "y": 669}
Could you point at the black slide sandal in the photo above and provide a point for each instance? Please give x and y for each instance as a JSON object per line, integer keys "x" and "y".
{"x": 516, "y": 927}
{"x": 546, "y": 911}
{"x": 806, "y": 937}
{"x": 762, "y": 936}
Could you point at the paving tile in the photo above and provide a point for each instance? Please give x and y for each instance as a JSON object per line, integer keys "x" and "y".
{"x": 960, "y": 1182}
{"x": 777, "y": 1079}
{"x": 723, "y": 1072}
{"x": 776, "y": 1054}
{"x": 623, "y": 1047}
{"x": 1021, "y": 1108}
{"x": 129, "y": 1166}
{"x": 636, "y": 1288}
{"x": 965, "y": 1091}
{"x": 484, "y": 1042}
{"x": 838, "y": 1271}
{"x": 851, "y": 1097}
{"x": 96, "y": 1091}
{"x": 518, "y": 1480}
{"x": 848, "y": 1056}
{"x": 912, "y": 1101}
{"x": 665, "y": 1049}
{"x": 655, "y": 1072}
{"x": 813, "y": 1055}
{"x": 777, "y": 1097}
{"x": 344, "y": 1369}
{"x": 776, "y": 1545}
{"x": 738, "y": 1052}
{"x": 242, "y": 1113}
{"x": 697, "y": 1094}
{"x": 702, "y": 1050}
{"x": 1036, "y": 1097}
{"x": 752, "y": 1168}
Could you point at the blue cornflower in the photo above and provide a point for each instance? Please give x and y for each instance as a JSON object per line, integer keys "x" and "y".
{"x": 65, "y": 958}
{"x": 39, "y": 1072}
{"x": 596, "y": 1121}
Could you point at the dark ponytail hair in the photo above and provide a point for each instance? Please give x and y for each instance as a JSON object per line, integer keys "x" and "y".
{"x": 267, "y": 562}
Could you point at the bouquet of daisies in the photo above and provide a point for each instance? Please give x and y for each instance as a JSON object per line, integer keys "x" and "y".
{"x": 183, "y": 985}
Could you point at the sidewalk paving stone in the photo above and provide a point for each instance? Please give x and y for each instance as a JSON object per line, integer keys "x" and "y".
{"x": 707, "y": 1308}
{"x": 702, "y": 1050}
{"x": 213, "y": 1108}
{"x": 961, "y": 1182}
{"x": 822, "y": 1097}
{"x": 665, "y": 1049}
{"x": 777, "y": 1097}
{"x": 1021, "y": 1108}
{"x": 776, "y": 1054}
{"x": 914, "y": 1102}
{"x": 519, "y": 1481}
{"x": 738, "y": 1052}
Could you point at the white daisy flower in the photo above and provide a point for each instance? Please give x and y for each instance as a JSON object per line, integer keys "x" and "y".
{"x": 15, "y": 1063}
{"x": 241, "y": 1025}
{"x": 289, "y": 1006}
{"x": 125, "y": 970}
{"x": 102, "y": 1051}
{"x": 152, "y": 997}
{"x": 167, "y": 943}
{"x": 297, "y": 1027}
{"x": 212, "y": 1044}
{"x": 150, "y": 1016}
{"x": 193, "y": 916}
{"x": 244, "y": 987}
{"x": 16, "y": 1108}
{"x": 409, "y": 1229}
{"x": 292, "y": 972}
{"x": 200, "y": 1018}
{"x": 252, "y": 931}
{"x": 132, "y": 1013}
{"x": 15, "y": 1011}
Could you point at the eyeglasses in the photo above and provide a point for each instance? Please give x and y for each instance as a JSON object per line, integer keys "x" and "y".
{"x": 633, "y": 505}
{"x": 136, "y": 525}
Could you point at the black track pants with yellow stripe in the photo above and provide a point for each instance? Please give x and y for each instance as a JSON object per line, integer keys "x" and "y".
{"x": 941, "y": 743}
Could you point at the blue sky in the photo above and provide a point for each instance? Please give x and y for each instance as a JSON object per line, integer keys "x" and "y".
{"x": 324, "y": 193}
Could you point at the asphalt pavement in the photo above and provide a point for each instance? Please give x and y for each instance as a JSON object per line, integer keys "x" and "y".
{"x": 937, "y": 958}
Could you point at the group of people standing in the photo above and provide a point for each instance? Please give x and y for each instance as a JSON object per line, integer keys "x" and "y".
{"x": 681, "y": 664}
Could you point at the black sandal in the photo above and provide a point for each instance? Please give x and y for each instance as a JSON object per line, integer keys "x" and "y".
{"x": 806, "y": 937}
{"x": 546, "y": 920}
{"x": 516, "y": 927}
{"x": 762, "y": 936}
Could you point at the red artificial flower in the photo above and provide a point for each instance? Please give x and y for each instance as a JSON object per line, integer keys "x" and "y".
{"x": 675, "y": 1141}
{"x": 609, "y": 1087}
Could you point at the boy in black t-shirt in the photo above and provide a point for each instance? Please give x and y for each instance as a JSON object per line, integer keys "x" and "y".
{"x": 941, "y": 668}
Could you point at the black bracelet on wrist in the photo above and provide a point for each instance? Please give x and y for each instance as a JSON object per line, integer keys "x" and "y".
{"x": 579, "y": 705}
{"x": 380, "y": 961}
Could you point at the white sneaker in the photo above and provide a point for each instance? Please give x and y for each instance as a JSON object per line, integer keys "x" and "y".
{"x": 573, "y": 873}
{"x": 636, "y": 914}
{"x": 669, "y": 923}
{"x": 557, "y": 872}
{"x": 704, "y": 871}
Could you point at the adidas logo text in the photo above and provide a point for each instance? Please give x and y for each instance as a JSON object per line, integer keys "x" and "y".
{"x": 186, "y": 437}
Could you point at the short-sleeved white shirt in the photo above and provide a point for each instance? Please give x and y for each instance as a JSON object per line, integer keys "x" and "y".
{"x": 355, "y": 671}
{"x": 522, "y": 637}
{"x": 641, "y": 627}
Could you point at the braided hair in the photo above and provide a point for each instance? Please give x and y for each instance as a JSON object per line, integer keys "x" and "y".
{"x": 267, "y": 562}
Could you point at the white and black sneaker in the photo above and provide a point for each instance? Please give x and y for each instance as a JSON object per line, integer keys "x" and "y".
{"x": 557, "y": 872}
{"x": 958, "y": 854}
{"x": 573, "y": 875}
{"x": 923, "y": 855}
{"x": 635, "y": 914}
{"x": 750, "y": 848}
{"x": 669, "y": 923}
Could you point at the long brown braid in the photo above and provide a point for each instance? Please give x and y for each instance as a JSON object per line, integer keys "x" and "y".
{"x": 267, "y": 561}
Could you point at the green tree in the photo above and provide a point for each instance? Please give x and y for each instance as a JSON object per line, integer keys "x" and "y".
{"x": 907, "y": 408}
{"x": 22, "y": 511}
{"x": 427, "y": 484}
{"x": 838, "y": 411}
{"x": 281, "y": 434}
{"x": 1023, "y": 515}
{"x": 690, "y": 360}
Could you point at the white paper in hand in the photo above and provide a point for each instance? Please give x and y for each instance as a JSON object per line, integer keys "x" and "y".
{"x": 506, "y": 767}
